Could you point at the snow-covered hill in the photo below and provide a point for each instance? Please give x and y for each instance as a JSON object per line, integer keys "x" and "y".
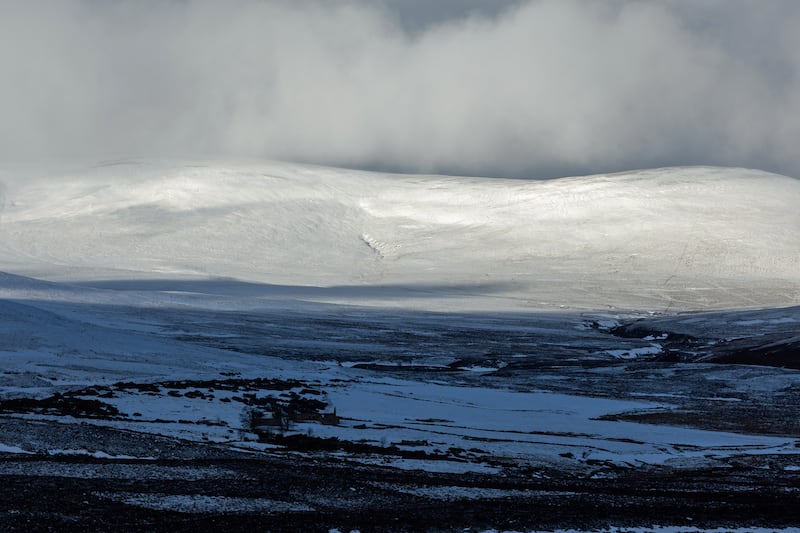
{"x": 413, "y": 322}
{"x": 672, "y": 238}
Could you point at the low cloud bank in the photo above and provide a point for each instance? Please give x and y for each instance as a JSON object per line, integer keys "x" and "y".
{"x": 535, "y": 89}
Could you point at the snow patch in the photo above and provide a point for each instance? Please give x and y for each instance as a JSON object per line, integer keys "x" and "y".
{"x": 184, "y": 503}
{"x": 653, "y": 349}
{"x": 4, "y": 448}
{"x": 96, "y": 454}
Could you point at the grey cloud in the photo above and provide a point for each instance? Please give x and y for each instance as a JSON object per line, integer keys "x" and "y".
{"x": 537, "y": 89}
{"x": 416, "y": 16}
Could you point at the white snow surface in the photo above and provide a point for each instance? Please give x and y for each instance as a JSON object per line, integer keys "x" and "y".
{"x": 663, "y": 239}
{"x": 93, "y": 254}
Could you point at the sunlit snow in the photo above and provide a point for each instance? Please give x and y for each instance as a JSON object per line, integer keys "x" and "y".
{"x": 665, "y": 239}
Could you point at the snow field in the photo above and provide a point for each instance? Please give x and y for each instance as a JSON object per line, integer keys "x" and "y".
{"x": 675, "y": 238}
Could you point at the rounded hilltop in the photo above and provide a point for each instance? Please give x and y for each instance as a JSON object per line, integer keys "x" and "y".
{"x": 677, "y": 238}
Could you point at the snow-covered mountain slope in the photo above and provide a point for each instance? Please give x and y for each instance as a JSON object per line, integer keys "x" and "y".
{"x": 673, "y": 238}
{"x": 41, "y": 350}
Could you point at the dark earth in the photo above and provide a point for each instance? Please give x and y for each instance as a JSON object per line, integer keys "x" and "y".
{"x": 334, "y": 493}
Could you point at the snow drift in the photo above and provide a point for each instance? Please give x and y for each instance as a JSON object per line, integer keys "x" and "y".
{"x": 663, "y": 239}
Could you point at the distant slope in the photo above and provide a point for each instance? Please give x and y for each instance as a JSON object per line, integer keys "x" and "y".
{"x": 673, "y": 238}
{"x": 39, "y": 342}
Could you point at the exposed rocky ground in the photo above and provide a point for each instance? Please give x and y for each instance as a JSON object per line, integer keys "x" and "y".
{"x": 187, "y": 486}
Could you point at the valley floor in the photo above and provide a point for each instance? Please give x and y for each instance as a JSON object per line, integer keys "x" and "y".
{"x": 190, "y": 415}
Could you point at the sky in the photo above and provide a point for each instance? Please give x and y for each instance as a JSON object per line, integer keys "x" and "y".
{"x": 514, "y": 88}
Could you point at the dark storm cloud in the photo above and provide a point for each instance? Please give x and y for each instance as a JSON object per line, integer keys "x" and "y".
{"x": 537, "y": 88}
